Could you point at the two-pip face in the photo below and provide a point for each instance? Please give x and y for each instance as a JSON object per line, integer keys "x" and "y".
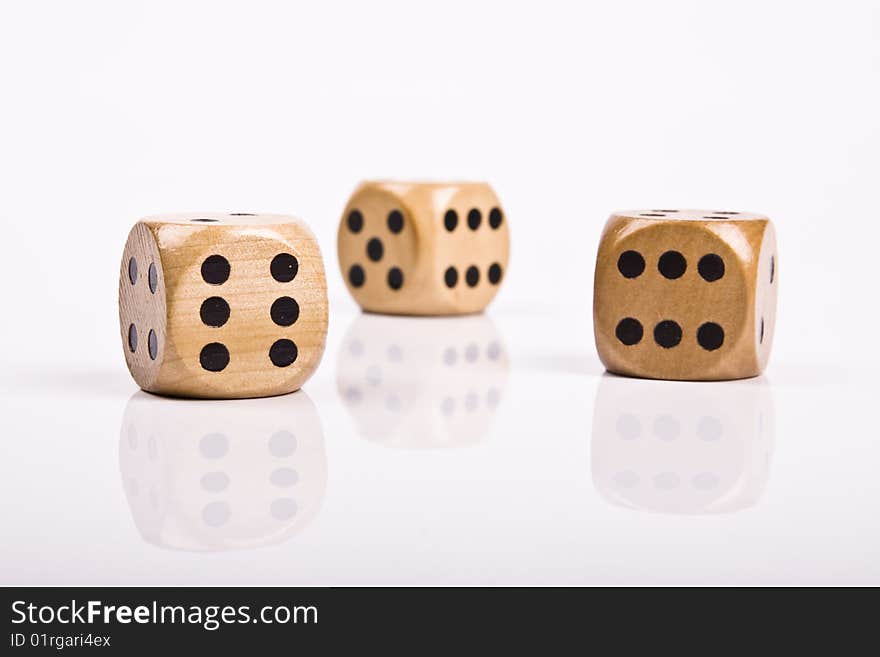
{"x": 685, "y": 294}
{"x": 423, "y": 248}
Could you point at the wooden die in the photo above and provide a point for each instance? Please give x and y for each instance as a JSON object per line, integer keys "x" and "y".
{"x": 423, "y": 248}
{"x": 222, "y": 305}
{"x": 685, "y": 294}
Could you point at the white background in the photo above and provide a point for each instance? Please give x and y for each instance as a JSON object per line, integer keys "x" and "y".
{"x": 114, "y": 110}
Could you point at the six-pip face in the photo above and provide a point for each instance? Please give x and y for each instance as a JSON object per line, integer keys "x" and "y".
{"x": 220, "y": 305}
{"x": 234, "y": 305}
{"x": 685, "y": 294}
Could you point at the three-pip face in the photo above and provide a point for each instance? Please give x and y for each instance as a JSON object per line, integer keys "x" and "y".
{"x": 685, "y": 294}
{"x": 222, "y": 305}
{"x": 423, "y": 248}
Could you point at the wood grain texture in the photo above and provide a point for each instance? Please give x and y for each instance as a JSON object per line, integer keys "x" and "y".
{"x": 742, "y": 301}
{"x": 178, "y": 245}
{"x": 424, "y": 249}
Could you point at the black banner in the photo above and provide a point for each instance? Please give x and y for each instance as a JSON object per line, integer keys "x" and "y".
{"x": 128, "y": 621}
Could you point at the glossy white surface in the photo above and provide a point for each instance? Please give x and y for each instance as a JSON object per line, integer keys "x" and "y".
{"x": 423, "y": 453}
{"x": 400, "y": 463}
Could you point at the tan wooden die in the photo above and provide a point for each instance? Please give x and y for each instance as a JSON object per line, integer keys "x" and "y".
{"x": 222, "y": 305}
{"x": 685, "y": 294}
{"x": 409, "y": 248}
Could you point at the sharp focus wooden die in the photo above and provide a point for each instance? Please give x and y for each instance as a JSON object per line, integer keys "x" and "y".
{"x": 685, "y": 294}
{"x": 222, "y": 305}
{"x": 423, "y": 248}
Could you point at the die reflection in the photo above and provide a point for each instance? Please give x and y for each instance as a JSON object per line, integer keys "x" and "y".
{"x": 417, "y": 382}
{"x": 682, "y": 448}
{"x": 222, "y": 475}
